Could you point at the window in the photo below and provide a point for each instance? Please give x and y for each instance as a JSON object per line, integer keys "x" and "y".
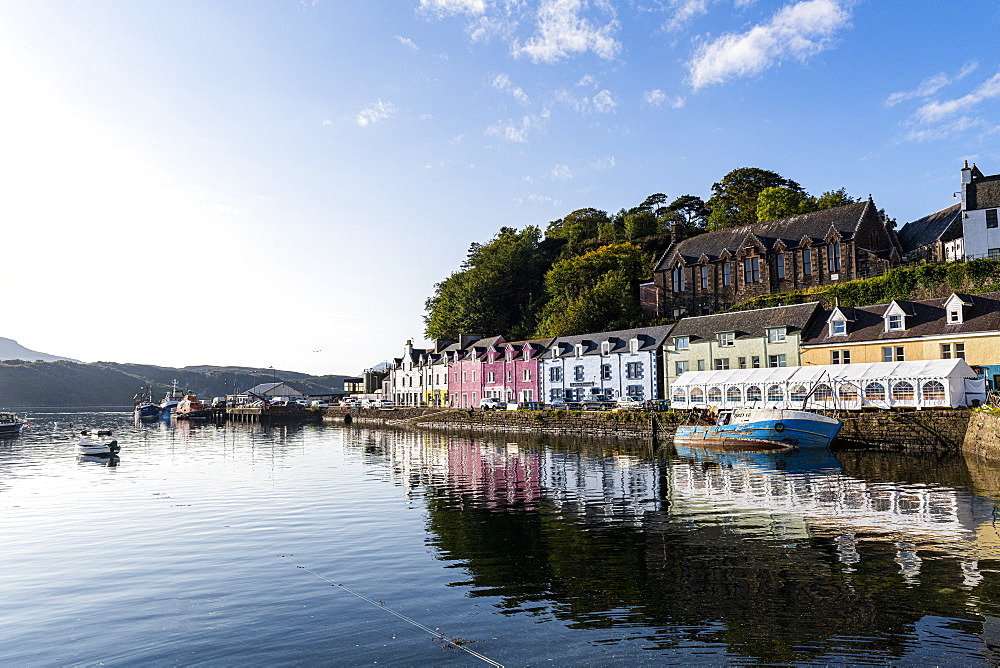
{"x": 838, "y": 328}
{"x": 993, "y": 253}
{"x": 733, "y": 395}
{"x": 555, "y": 374}
{"x": 727, "y": 273}
{"x": 893, "y": 353}
{"x": 991, "y": 217}
{"x": 491, "y": 377}
{"x": 473, "y": 376}
{"x": 678, "y": 397}
{"x": 636, "y": 391}
{"x": 633, "y": 346}
{"x": 954, "y": 315}
{"x": 823, "y": 393}
{"x": 902, "y": 391}
{"x": 727, "y": 339}
{"x": 775, "y": 334}
{"x": 781, "y": 265}
{"x": 605, "y": 372}
{"x": 633, "y": 370}
{"x": 894, "y": 322}
{"x": 751, "y": 269}
{"x": 527, "y": 375}
{"x": 833, "y": 257}
{"x": 677, "y": 280}
{"x": 579, "y": 350}
{"x": 527, "y": 354}
{"x": 681, "y": 366}
{"x": 960, "y": 351}
{"x": 755, "y": 362}
{"x": 875, "y": 392}
{"x": 465, "y": 376}
{"x": 697, "y": 395}
{"x": 840, "y": 357}
{"x": 704, "y": 277}
{"x": 775, "y": 393}
{"x": 741, "y": 362}
{"x": 946, "y": 351}
{"x": 847, "y": 393}
{"x": 776, "y": 361}
{"x": 605, "y": 347}
{"x": 701, "y": 365}
{"x": 682, "y": 343}
{"x": 753, "y": 393}
{"x": 799, "y": 393}
{"x": 715, "y": 396}
{"x": 722, "y": 364}
{"x": 578, "y": 373}
{"x": 933, "y": 391}
{"x": 807, "y": 263}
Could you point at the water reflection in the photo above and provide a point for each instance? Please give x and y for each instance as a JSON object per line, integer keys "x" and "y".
{"x": 776, "y": 557}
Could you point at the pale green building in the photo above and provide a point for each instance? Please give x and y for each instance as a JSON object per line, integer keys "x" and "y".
{"x": 767, "y": 337}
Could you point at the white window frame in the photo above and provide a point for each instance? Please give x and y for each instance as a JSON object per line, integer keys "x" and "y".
{"x": 727, "y": 339}
{"x": 776, "y": 334}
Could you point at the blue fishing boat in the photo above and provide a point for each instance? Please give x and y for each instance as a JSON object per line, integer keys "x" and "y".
{"x": 757, "y": 429}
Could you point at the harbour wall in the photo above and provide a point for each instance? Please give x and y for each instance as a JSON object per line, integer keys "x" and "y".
{"x": 931, "y": 431}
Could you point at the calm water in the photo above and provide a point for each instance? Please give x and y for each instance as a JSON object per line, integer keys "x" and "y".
{"x": 332, "y": 546}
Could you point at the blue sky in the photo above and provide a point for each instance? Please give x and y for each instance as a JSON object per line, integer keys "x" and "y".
{"x": 282, "y": 183}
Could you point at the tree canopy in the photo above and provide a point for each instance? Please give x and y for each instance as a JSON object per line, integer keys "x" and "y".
{"x": 734, "y": 198}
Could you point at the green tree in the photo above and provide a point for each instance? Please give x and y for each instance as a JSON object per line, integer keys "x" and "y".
{"x": 578, "y": 228}
{"x": 690, "y": 212}
{"x": 780, "y": 202}
{"x": 834, "y": 198}
{"x": 496, "y": 290}
{"x": 734, "y": 198}
{"x": 639, "y": 224}
{"x": 574, "y": 284}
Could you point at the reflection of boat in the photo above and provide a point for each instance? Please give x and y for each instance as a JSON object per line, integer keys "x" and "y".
{"x": 10, "y": 423}
{"x": 758, "y": 429}
{"x": 87, "y": 446}
{"x": 191, "y": 408}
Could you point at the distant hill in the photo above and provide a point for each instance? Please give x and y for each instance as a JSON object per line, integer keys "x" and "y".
{"x": 12, "y": 350}
{"x": 69, "y": 383}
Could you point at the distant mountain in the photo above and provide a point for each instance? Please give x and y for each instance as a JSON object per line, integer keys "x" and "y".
{"x": 67, "y": 383}
{"x": 12, "y": 350}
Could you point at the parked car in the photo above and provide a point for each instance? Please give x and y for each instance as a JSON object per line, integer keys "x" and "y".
{"x": 386, "y": 405}
{"x": 490, "y": 404}
{"x": 630, "y": 403}
{"x": 562, "y": 404}
{"x": 319, "y": 403}
{"x": 598, "y": 402}
{"x": 350, "y": 403}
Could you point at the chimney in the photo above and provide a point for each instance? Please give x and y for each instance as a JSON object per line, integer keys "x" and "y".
{"x": 408, "y": 348}
{"x": 675, "y": 232}
{"x": 966, "y": 182}
{"x": 466, "y": 340}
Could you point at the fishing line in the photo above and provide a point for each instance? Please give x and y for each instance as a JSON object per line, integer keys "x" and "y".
{"x": 381, "y": 606}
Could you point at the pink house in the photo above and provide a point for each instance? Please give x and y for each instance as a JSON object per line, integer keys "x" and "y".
{"x": 510, "y": 371}
{"x": 465, "y": 373}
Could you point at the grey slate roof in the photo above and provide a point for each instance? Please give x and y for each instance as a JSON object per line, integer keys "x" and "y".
{"x": 928, "y": 319}
{"x": 747, "y": 324}
{"x": 983, "y": 193}
{"x": 931, "y": 228}
{"x": 791, "y": 230}
{"x": 650, "y": 338}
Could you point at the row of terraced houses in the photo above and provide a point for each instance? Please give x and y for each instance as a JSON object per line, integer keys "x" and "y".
{"x": 698, "y": 277}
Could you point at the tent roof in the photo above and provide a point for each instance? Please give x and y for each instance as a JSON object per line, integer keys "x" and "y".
{"x": 953, "y": 368}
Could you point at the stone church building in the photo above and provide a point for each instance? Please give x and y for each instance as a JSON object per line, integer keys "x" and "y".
{"x": 712, "y": 271}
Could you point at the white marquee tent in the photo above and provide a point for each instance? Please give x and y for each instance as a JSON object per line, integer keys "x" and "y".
{"x": 917, "y": 384}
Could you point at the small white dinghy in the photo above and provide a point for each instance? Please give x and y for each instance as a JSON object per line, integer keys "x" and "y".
{"x": 88, "y": 446}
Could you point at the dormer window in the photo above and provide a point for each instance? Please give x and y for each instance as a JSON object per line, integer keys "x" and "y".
{"x": 895, "y": 317}
{"x": 894, "y": 322}
{"x": 579, "y": 350}
{"x": 838, "y": 328}
{"x": 954, "y": 316}
{"x": 606, "y": 348}
{"x": 527, "y": 354}
{"x": 633, "y": 346}
{"x": 776, "y": 334}
{"x": 955, "y": 309}
{"x": 682, "y": 343}
{"x": 727, "y": 339}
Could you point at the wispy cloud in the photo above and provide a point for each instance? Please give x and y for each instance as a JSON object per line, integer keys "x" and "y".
{"x": 934, "y": 111}
{"x": 930, "y": 85}
{"x": 937, "y": 119}
{"x": 560, "y": 173}
{"x": 562, "y": 32}
{"x": 540, "y": 199}
{"x": 407, "y": 42}
{"x": 797, "y": 31}
{"x": 502, "y": 83}
{"x": 684, "y": 11}
{"x": 513, "y": 131}
{"x": 657, "y": 98}
{"x": 379, "y": 111}
{"x": 604, "y": 102}
{"x": 451, "y": 7}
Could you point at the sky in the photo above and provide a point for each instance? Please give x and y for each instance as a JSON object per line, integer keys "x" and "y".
{"x": 282, "y": 183}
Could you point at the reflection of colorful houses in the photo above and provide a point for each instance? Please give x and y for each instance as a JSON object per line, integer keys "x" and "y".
{"x": 465, "y": 372}
{"x": 492, "y": 474}
{"x": 510, "y": 370}
{"x": 957, "y": 327}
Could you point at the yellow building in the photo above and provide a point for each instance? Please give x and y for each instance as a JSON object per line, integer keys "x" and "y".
{"x": 960, "y": 326}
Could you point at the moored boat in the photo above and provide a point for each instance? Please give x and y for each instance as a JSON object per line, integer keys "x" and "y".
{"x": 191, "y": 408}
{"x": 10, "y": 423}
{"x": 92, "y": 448}
{"x": 758, "y": 429}
{"x": 170, "y": 402}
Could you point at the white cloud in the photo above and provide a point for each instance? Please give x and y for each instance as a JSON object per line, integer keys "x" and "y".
{"x": 930, "y": 85}
{"x": 327, "y": 122}
{"x": 603, "y": 163}
{"x": 503, "y": 83}
{"x": 603, "y": 102}
{"x": 657, "y": 98}
{"x": 935, "y": 111}
{"x": 425, "y": 117}
{"x": 450, "y": 7}
{"x": 684, "y": 11}
{"x": 511, "y": 131}
{"x": 379, "y": 111}
{"x": 797, "y": 31}
{"x": 587, "y": 81}
{"x": 542, "y": 199}
{"x": 562, "y": 32}
{"x": 407, "y": 42}
{"x": 560, "y": 173}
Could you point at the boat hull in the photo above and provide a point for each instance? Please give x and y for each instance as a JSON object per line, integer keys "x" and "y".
{"x": 762, "y": 435}
{"x": 147, "y": 411}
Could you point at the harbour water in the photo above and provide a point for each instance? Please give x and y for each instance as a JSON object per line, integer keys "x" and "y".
{"x": 316, "y": 545}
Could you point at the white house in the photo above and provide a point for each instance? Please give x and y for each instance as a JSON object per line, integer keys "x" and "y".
{"x": 980, "y": 205}
{"x": 616, "y": 364}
